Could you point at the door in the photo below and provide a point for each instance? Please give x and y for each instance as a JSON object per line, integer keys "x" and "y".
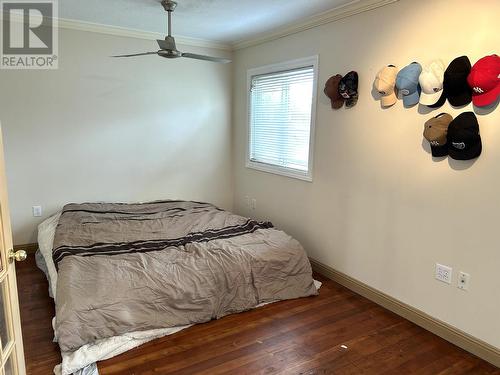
{"x": 11, "y": 341}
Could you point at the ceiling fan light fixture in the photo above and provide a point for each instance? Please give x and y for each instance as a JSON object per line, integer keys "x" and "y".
{"x": 169, "y": 5}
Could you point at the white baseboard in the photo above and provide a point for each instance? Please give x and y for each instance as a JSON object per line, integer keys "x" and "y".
{"x": 454, "y": 335}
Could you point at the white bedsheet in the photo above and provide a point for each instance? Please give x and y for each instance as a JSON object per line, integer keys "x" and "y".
{"x": 46, "y": 233}
{"x": 82, "y": 361}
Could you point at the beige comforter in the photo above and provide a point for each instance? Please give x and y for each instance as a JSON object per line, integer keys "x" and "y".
{"x": 133, "y": 267}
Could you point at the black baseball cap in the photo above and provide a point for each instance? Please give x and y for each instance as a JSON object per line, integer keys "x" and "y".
{"x": 348, "y": 89}
{"x": 464, "y": 141}
{"x": 455, "y": 84}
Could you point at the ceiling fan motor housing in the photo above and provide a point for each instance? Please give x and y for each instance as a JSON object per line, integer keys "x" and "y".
{"x": 169, "y": 54}
{"x": 168, "y": 48}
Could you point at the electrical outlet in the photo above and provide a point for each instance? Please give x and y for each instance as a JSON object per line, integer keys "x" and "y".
{"x": 247, "y": 201}
{"x": 37, "y": 211}
{"x": 463, "y": 280}
{"x": 254, "y": 204}
{"x": 443, "y": 273}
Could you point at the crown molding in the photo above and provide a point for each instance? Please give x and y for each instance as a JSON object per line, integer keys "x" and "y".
{"x": 139, "y": 34}
{"x": 347, "y": 10}
{"x": 65, "y": 23}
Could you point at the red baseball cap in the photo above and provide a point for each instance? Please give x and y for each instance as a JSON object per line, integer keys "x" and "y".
{"x": 484, "y": 79}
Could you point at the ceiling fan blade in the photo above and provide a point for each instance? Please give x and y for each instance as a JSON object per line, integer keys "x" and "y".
{"x": 206, "y": 58}
{"x": 137, "y": 54}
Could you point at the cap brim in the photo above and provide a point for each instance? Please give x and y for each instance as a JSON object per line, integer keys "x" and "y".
{"x": 460, "y": 100}
{"x": 388, "y": 100}
{"x": 429, "y": 99}
{"x": 351, "y": 102}
{"x": 438, "y": 151}
{"x": 487, "y": 98}
{"x": 440, "y": 101}
{"x": 411, "y": 99}
{"x": 471, "y": 153}
{"x": 336, "y": 104}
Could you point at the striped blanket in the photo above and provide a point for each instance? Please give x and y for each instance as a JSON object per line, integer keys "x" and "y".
{"x": 132, "y": 267}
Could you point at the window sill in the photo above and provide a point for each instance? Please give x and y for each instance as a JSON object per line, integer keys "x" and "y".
{"x": 281, "y": 171}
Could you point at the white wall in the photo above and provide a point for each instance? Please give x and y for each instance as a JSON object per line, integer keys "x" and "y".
{"x": 114, "y": 129}
{"x": 379, "y": 208}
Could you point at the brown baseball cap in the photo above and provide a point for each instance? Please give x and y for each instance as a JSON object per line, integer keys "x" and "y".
{"x": 332, "y": 91}
{"x": 436, "y": 132}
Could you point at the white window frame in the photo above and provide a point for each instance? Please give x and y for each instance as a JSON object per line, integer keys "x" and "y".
{"x": 276, "y": 68}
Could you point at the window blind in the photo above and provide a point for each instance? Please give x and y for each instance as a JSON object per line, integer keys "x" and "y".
{"x": 280, "y": 118}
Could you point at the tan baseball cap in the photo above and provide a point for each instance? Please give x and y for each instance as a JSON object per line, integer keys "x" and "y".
{"x": 385, "y": 83}
{"x": 436, "y": 132}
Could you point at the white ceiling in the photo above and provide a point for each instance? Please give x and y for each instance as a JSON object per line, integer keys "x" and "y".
{"x": 225, "y": 21}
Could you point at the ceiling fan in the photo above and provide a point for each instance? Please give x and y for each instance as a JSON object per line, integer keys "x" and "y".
{"x": 167, "y": 46}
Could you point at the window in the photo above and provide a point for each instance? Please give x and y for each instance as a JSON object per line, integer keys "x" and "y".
{"x": 282, "y": 103}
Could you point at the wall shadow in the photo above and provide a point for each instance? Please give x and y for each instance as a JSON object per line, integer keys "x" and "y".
{"x": 481, "y": 111}
{"x": 460, "y": 165}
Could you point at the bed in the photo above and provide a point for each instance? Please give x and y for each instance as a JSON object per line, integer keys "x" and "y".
{"x": 124, "y": 274}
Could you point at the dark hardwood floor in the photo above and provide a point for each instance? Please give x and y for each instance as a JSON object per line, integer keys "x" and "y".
{"x": 338, "y": 332}
{"x": 37, "y": 310}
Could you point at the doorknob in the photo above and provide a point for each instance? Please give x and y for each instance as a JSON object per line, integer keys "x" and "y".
{"x": 18, "y": 255}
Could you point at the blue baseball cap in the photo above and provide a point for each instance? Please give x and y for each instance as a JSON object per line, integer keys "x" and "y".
{"x": 408, "y": 85}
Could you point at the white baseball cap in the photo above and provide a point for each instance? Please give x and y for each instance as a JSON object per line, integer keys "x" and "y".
{"x": 431, "y": 81}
